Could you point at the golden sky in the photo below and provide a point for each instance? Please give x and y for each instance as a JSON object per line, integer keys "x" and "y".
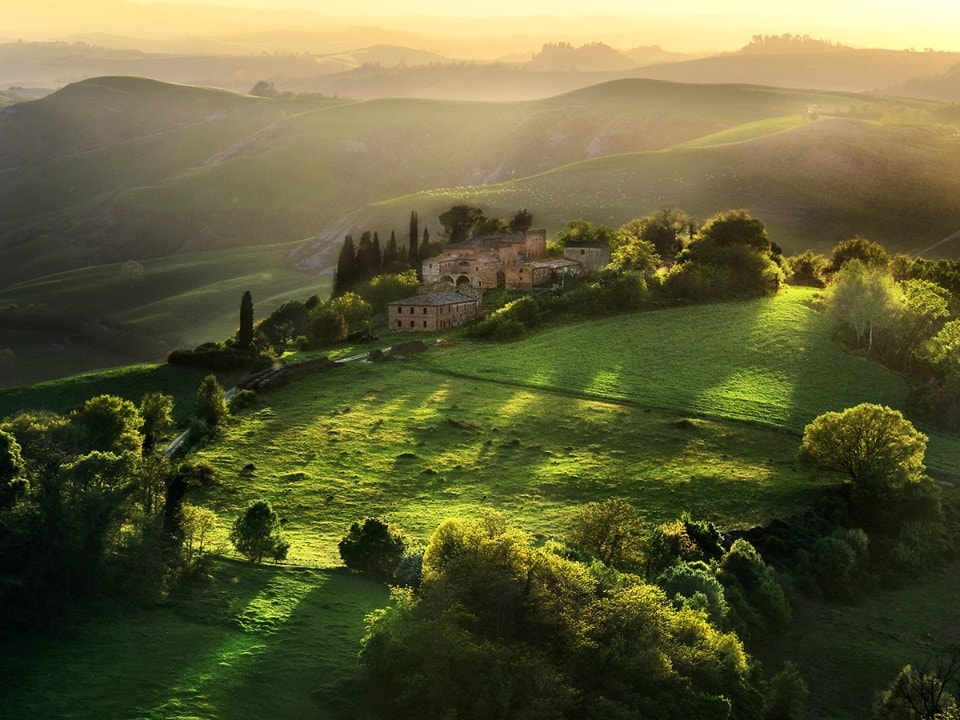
{"x": 708, "y": 24}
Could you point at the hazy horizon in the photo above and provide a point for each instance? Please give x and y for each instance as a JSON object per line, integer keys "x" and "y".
{"x": 688, "y": 25}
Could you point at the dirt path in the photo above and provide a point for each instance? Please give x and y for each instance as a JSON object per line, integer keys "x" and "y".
{"x": 930, "y": 248}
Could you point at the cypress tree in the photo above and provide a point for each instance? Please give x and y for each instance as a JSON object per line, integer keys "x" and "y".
{"x": 346, "y": 267}
{"x": 392, "y": 255}
{"x": 377, "y": 255}
{"x": 413, "y": 253}
{"x": 365, "y": 261}
{"x": 245, "y": 335}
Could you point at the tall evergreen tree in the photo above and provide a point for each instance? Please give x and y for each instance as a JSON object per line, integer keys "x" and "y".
{"x": 346, "y": 267}
{"x": 245, "y": 335}
{"x": 413, "y": 252}
{"x": 377, "y": 254}
{"x": 392, "y": 255}
{"x": 365, "y": 260}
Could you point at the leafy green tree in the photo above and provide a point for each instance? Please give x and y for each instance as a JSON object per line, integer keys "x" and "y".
{"x": 256, "y": 534}
{"x": 500, "y": 629}
{"x": 12, "y": 481}
{"x": 786, "y": 695}
{"x": 373, "y": 547}
{"x": 612, "y": 531}
{"x": 245, "y": 334}
{"x": 521, "y": 221}
{"x": 757, "y": 602}
{"x": 808, "y": 268}
{"x": 863, "y": 298}
{"x": 859, "y": 248}
{"x": 211, "y": 402}
{"x": 110, "y": 424}
{"x": 581, "y": 231}
{"x": 384, "y": 289}
{"x": 156, "y": 409}
{"x": 928, "y": 692}
{"x": 459, "y": 222}
{"x": 942, "y": 351}
{"x": 922, "y": 309}
{"x": 871, "y": 444}
{"x": 199, "y": 525}
{"x": 288, "y": 321}
{"x": 732, "y": 257}
{"x": 635, "y": 254}
{"x": 328, "y": 326}
{"x": 357, "y": 312}
{"x": 693, "y": 585}
{"x": 667, "y": 230}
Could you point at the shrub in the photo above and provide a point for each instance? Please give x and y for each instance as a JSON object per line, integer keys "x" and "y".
{"x": 409, "y": 570}
{"x": 328, "y": 326}
{"x": 211, "y": 405}
{"x": 693, "y": 585}
{"x": 372, "y": 547}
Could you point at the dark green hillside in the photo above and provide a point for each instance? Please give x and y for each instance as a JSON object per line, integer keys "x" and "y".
{"x": 812, "y": 183}
{"x": 117, "y": 169}
{"x": 108, "y": 315}
{"x": 121, "y": 168}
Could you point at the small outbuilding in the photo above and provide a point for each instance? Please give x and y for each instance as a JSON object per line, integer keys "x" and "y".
{"x": 432, "y": 311}
{"x": 592, "y": 256}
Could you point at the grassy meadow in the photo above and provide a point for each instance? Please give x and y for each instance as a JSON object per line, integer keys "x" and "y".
{"x": 694, "y": 409}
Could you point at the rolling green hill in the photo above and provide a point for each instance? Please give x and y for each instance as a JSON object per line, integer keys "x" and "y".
{"x": 812, "y": 183}
{"x": 696, "y": 408}
{"x": 116, "y": 169}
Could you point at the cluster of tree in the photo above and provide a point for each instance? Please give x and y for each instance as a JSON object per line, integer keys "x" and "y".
{"x": 267, "y": 89}
{"x": 626, "y": 621}
{"x": 731, "y": 257}
{"x": 462, "y": 222}
{"x": 882, "y": 524}
{"x": 788, "y": 43}
{"x": 500, "y": 629}
{"x": 898, "y": 311}
{"x": 89, "y": 506}
{"x": 656, "y": 259}
{"x": 592, "y": 57}
{"x": 361, "y": 262}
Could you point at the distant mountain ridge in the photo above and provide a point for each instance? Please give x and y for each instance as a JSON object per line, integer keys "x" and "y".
{"x": 367, "y": 63}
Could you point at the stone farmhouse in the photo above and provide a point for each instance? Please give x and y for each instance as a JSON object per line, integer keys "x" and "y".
{"x": 432, "y": 311}
{"x": 517, "y": 261}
